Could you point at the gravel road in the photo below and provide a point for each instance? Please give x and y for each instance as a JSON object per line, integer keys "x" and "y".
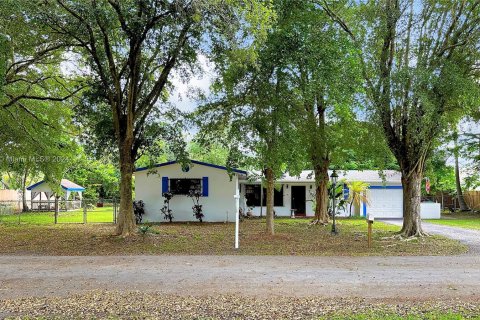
{"x": 372, "y": 278}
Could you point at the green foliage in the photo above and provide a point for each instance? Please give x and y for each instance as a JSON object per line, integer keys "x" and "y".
{"x": 318, "y": 59}
{"x": 99, "y": 177}
{"x": 35, "y": 109}
{"x": 417, "y": 85}
{"x": 214, "y": 153}
{"x": 145, "y": 228}
{"x": 441, "y": 175}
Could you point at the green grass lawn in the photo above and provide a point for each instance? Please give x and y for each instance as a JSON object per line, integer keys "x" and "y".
{"x": 292, "y": 237}
{"x": 96, "y": 215}
{"x": 415, "y": 315}
{"x": 461, "y": 220}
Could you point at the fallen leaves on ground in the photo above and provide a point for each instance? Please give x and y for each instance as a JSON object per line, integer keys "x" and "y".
{"x": 142, "y": 305}
{"x": 292, "y": 237}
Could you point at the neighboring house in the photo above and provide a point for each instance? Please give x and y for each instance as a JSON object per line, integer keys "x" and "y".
{"x": 218, "y": 189}
{"x": 216, "y": 186}
{"x": 43, "y": 197}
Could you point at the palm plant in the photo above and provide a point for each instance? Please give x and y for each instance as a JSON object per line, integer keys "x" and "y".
{"x": 358, "y": 193}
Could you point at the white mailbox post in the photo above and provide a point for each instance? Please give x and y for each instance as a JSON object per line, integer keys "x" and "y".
{"x": 237, "y": 218}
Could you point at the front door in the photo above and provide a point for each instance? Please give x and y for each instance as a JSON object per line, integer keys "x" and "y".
{"x": 298, "y": 200}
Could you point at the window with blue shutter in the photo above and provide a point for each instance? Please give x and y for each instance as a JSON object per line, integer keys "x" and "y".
{"x": 164, "y": 184}
{"x": 346, "y": 192}
{"x": 205, "y": 186}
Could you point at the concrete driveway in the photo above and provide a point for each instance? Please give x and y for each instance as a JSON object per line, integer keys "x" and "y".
{"x": 466, "y": 236}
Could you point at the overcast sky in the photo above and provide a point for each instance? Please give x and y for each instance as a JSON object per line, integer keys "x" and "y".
{"x": 183, "y": 96}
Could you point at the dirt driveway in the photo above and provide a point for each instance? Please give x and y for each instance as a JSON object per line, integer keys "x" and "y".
{"x": 288, "y": 276}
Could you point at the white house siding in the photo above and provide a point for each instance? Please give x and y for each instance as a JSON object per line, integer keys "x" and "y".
{"x": 218, "y": 206}
{"x": 287, "y": 200}
{"x": 385, "y": 202}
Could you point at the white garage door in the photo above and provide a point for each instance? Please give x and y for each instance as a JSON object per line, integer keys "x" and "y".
{"x": 386, "y": 203}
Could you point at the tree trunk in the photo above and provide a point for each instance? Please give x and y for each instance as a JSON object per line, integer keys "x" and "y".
{"x": 126, "y": 218}
{"x": 321, "y": 193}
{"x": 461, "y": 200}
{"x": 270, "y": 192}
{"x": 412, "y": 224}
{"x": 24, "y": 191}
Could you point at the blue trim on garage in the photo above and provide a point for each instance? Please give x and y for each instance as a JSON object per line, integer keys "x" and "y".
{"x": 364, "y": 209}
{"x": 192, "y": 161}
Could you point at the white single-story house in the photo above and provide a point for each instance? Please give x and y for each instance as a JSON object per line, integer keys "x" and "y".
{"x": 293, "y": 194}
{"x": 43, "y": 197}
{"x": 216, "y": 184}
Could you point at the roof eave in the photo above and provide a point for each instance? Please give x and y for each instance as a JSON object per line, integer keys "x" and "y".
{"x": 158, "y": 165}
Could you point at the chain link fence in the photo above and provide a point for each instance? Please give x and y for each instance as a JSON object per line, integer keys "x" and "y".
{"x": 61, "y": 211}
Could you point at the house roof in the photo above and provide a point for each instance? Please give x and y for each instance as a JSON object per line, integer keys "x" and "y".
{"x": 194, "y": 162}
{"x": 65, "y": 184}
{"x": 371, "y": 176}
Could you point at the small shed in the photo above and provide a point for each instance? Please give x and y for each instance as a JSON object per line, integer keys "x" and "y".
{"x": 43, "y": 197}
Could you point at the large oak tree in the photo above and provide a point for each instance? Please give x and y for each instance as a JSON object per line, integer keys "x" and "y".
{"x": 419, "y": 60}
{"x": 35, "y": 108}
{"x": 130, "y": 49}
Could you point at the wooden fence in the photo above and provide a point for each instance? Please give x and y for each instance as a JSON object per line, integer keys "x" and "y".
{"x": 9, "y": 195}
{"x": 472, "y": 198}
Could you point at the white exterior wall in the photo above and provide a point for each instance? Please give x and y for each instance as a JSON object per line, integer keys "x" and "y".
{"x": 430, "y": 210}
{"x": 384, "y": 202}
{"x": 287, "y": 200}
{"x": 219, "y": 206}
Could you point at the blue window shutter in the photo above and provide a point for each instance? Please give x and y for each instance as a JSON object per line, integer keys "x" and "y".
{"x": 205, "y": 186}
{"x": 164, "y": 184}
{"x": 346, "y": 192}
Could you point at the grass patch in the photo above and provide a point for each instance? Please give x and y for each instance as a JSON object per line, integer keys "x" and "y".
{"x": 461, "y": 220}
{"x": 97, "y": 215}
{"x": 418, "y": 315}
{"x": 293, "y": 237}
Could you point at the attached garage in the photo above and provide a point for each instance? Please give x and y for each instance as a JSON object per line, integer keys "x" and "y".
{"x": 385, "y": 202}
